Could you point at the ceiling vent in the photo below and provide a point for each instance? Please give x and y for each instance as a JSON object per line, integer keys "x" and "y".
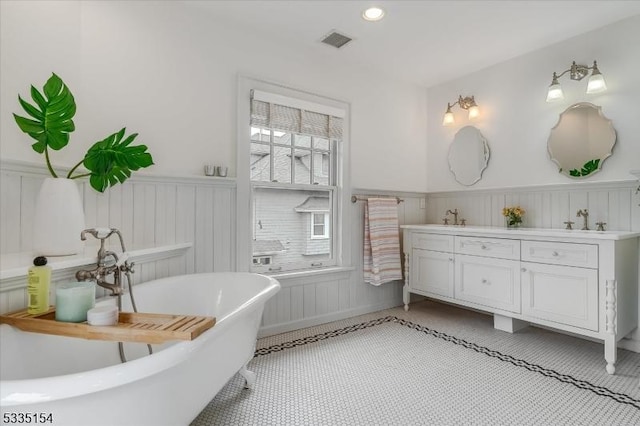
{"x": 336, "y": 39}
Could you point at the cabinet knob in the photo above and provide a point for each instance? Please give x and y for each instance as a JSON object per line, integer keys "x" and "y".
{"x": 554, "y": 254}
{"x": 451, "y": 259}
{"x": 523, "y": 269}
{"x": 484, "y": 281}
{"x": 483, "y": 247}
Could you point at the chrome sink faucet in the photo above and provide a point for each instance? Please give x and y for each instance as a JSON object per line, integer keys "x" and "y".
{"x": 585, "y": 215}
{"x": 455, "y": 215}
{"x": 105, "y": 266}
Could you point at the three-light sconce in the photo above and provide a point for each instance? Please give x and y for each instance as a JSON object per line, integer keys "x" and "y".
{"x": 467, "y": 103}
{"x": 596, "y": 83}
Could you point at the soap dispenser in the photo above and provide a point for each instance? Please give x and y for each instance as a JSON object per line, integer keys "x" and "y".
{"x": 39, "y": 280}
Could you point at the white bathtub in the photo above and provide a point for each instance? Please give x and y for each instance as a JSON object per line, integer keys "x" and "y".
{"x": 83, "y": 382}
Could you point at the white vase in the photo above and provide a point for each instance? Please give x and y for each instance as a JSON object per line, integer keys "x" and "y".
{"x": 58, "y": 219}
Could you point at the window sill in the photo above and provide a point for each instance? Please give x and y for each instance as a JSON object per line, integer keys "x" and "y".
{"x": 310, "y": 272}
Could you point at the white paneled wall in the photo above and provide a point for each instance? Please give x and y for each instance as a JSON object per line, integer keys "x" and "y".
{"x": 616, "y": 203}
{"x": 149, "y": 211}
{"x": 311, "y": 300}
{"x": 156, "y": 211}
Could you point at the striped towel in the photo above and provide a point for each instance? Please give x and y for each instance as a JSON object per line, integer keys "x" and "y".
{"x": 381, "y": 241}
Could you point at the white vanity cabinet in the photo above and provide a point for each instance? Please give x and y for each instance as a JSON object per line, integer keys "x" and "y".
{"x": 491, "y": 283}
{"x": 432, "y": 256}
{"x": 560, "y": 294}
{"x": 583, "y": 282}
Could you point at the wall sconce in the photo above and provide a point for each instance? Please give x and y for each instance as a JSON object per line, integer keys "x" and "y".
{"x": 468, "y": 103}
{"x": 595, "y": 84}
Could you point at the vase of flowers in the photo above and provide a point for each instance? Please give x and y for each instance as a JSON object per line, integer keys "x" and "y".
{"x": 513, "y": 216}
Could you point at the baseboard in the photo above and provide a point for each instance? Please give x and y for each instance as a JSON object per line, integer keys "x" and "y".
{"x": 630, "y": 345}
{"x": 624, "y": 343}
{"x": 323, "y": 319}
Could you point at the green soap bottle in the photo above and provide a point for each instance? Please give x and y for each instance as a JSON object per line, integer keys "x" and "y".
{"x": 39, "y": 280}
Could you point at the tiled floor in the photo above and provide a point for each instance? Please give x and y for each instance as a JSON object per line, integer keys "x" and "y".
{"x": 435, "y": 364}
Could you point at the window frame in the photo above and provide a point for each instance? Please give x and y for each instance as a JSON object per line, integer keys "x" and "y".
{"x": 340, "y": 192}
{"x": 325, "y": 226}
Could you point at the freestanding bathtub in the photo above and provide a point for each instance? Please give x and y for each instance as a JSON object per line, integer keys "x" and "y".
{"x": 82, "y": 382}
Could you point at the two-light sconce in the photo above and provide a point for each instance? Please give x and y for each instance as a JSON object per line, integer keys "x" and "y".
{"x": 596, "y": 83}
{"x": 468, "y": 103}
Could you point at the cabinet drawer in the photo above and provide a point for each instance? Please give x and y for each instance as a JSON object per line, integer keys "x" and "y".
{"x": 489, "y": 247}
{"x": 562, "y": 294}
{"x": 432, "y": 242}
{"x": 494, "y": 283}
{"x": 569, "y": 254}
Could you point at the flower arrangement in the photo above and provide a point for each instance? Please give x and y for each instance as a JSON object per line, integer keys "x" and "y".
{"x": 514, "y": 216}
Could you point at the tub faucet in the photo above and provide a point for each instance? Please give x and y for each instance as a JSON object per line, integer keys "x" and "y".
{"x": 455, "y": 215}
{"x": 585, "y": 215}
{"x": 108, "y": 262}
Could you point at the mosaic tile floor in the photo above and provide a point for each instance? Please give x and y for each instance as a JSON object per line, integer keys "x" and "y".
{"x": 435, "y": 364}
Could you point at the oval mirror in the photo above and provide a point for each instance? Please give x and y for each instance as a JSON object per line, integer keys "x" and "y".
{"x": 581, "y": 141}
{"x": 468, "y": 155}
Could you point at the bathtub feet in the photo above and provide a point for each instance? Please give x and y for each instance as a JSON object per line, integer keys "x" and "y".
{"x": 249, "y": 377}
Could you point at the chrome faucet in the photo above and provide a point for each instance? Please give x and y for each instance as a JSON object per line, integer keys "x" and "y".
{"x": 105, "y": 266}
{"x": 585, "y": 215}
{"x": 455, "y": 215}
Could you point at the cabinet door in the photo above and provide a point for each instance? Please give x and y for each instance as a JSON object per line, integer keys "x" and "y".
{"x": 488, "y": 282}
{"x": 561, "y": 294}
{"x": 432, "y": 272}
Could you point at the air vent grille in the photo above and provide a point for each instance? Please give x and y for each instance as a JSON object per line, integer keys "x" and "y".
{"x": 336, "y": 39}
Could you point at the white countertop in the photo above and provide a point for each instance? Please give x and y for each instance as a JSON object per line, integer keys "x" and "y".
{"x": 504, "y": 232}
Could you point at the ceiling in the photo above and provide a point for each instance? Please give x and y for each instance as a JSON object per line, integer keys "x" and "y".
{"x": 422, "y": 42}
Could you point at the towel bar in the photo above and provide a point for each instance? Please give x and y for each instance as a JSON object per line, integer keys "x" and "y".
{"x": 355, "y": 198}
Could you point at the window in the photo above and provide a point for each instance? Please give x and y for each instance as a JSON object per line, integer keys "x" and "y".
{"x": 319, "y": 225}
{"x": 262, "y": 260}
{"x": 293, "y": 160}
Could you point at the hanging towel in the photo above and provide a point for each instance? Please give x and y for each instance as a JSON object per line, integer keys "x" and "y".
{"x": 381, "y": 241}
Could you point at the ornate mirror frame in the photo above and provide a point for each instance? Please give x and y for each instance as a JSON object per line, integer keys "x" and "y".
{"x": 468, "y": 155}
{"x": 581, "y": 140}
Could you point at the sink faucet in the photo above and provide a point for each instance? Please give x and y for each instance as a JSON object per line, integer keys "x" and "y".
{"x": 455, "y": 215}
{"x": 108, "y": 262}
{"x": 585, "y": 215}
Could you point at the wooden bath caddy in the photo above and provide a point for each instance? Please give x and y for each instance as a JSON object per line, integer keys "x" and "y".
{"x": 132, "y": 327}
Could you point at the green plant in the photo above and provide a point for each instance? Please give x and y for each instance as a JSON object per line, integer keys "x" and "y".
{"x": 109, "y": 161}
{"x": 588, "y": 168}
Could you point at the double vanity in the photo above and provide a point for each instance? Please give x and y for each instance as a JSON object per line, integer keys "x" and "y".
{"x": 583, "y": 282}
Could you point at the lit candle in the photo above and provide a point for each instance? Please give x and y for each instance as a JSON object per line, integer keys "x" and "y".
{"x": 73, "y": 300}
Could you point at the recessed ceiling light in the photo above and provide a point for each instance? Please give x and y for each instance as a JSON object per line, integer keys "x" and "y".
{"x": 373, "y": 14}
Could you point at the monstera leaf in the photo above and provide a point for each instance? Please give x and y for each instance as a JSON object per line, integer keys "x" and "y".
{"x": 52, "y": 115}
{"x": 111, "y": 160}
{"x": 588, "y": 168}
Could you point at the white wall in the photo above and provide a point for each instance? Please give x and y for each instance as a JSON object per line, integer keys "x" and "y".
{"x": 516, "y": 120}
{"x": 169, "y": 72}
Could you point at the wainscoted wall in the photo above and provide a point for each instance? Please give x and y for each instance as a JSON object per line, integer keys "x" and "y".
{"x": 548, "y": 206}
{"x": 150, "y": 211}
{"x": 312, "y": 300}
{"x": 154, "y": 211}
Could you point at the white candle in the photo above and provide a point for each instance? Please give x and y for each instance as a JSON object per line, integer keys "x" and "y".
{"x": 73, "y": 300}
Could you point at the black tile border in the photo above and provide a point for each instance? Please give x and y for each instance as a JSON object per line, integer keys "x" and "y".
{"x": 564, "y": 378}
